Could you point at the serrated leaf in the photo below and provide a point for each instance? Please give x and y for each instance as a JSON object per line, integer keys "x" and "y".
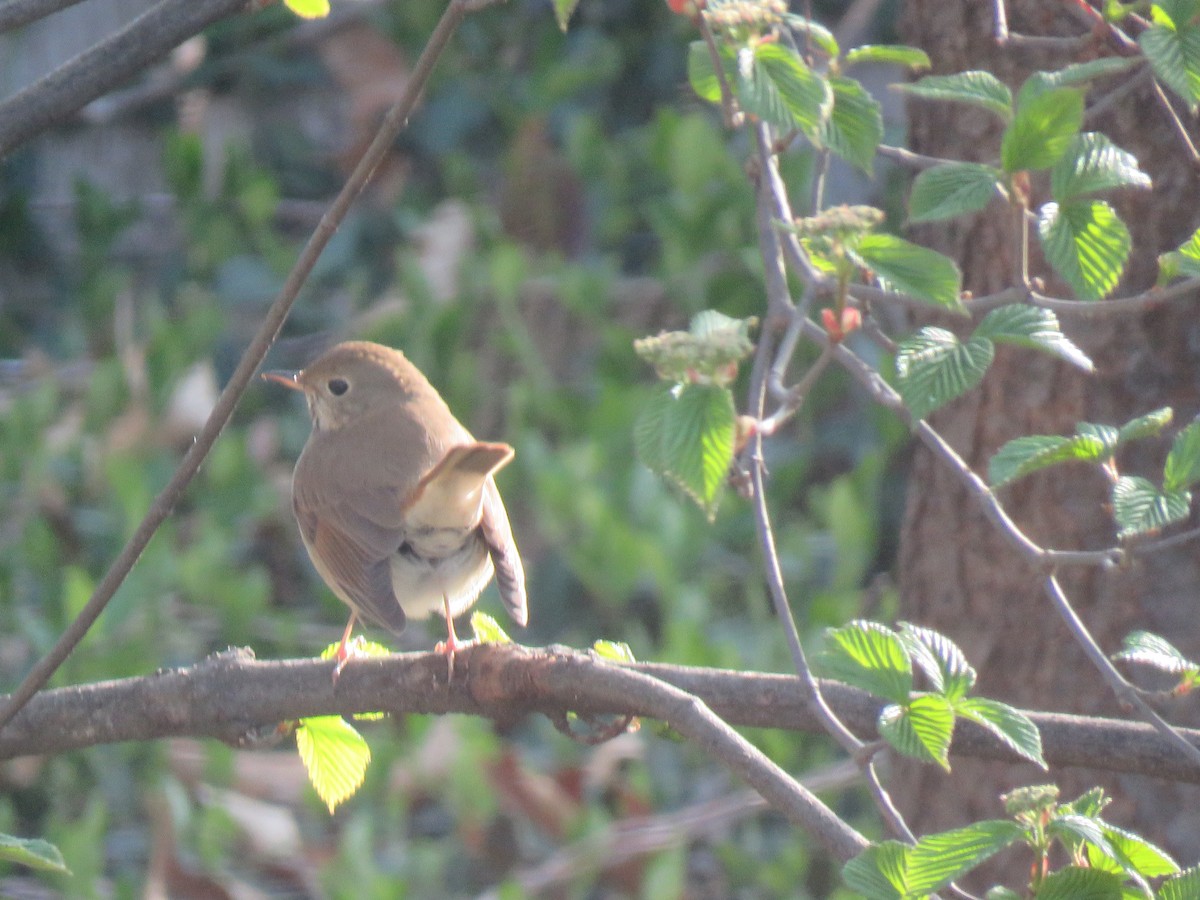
{"x": 1010, "y": 725}
{"x": 308, "y": 9}
{"x": 870, "y": 657}
{"x": 776, "y": 86}
{"x": 617, "y": 651}
{"x": 1087, "y": 243}
{"x": 563, "y": 10}
{"x": 933, "y": 368}
{"x": 940, "y": 659}
{"x": 701, "y": 74}
{"x": 977, "y": 88}
{"x": 1151, "y": 650}
{"x": 1140, "y": 508}
{"x": 1183, "y": 261}
{"x": 335, "y": 757}
{"x": 1182, "y": 469}
{"x": 855, "y": 126}
{"x": 895, "y": 54}
{"x": 1094, "y": 163}
{"x": 32, "y": 852}
{"x": 1184, "y": 886}
{"x": 904, "y": 266}
{"x": 1034, "y": 328}
{"x": 686, "y": 434}
{"x": 808, "y": 30}
{"x": 359, "y": 647}
{"x": 1148, "y": 425}
{"x": 879, "y": 872}
{"x": 1107, "y": 435}
{"x": 921, "y": 728}
{"x": 1021, "y": 456}
{"x": 1078, "y": 883}
{"x": 952, "y": 189}
{"x": 1082, "y": 74}
{"x": 938, "y": 859}
{"x": 487, "y": 630}
{"x": 1042, "y": 130}
{"x": 1137, "y": 855}
{"x": 1174, "y": 54}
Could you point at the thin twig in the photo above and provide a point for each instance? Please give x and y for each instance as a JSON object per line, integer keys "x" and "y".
{"x": 15, "y": 13}
{"x": 1164, "y": 103}
{"x": 1124, "y": 691}
{"x": 252, "y": 358}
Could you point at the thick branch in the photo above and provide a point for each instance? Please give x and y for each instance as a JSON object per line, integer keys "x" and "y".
{"x": 233, "y": 697}
{"x": 106, "y": 65}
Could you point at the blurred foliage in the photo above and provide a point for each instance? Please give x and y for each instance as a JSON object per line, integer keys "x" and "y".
{"x": 111, "y": 361}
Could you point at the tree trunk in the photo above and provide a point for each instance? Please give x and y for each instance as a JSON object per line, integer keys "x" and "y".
{"x": 957, "y": 573}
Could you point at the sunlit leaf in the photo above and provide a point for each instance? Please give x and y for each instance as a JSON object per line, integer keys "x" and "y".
{"x": 32, "y": 852}
{"x": 894, "y": 54}
{"x": 1184, "y": 886}
{"x": 1159, "y": 653}
{"x": 855, "y": 126}
{"x": 938, "y": 859}
{"x": 617, "y": 651}
{"x": 487, "y": 630}
{"x": 1034, "y": 328}
{"x": 1077, "y": 883}
{"x": 920, "y": 728}
{"x": 308, "y": 9}
{"x": 1174, "y": 53}
{"x": 701, "y": 74}
{"x": 942, "y": 661}
{"x": 904, "y": 266}
{"x": 879, "y": 872}
{"x": 1087, "y": 243}
{"x": 1010, "y": 725}
{"x": 776, "y": 85}
{"x": 1021, "y": 456}
{"x": 868, "y": 656}
{"x": 952, "y": 189}
{"x": 1182, "y": 469}
{"x": 977, "y": 88}
{"x": 1137, "y": 855}
{"x": 1140, "y": 508}
{"x": 1042, "y": 130}
{"x": 1094, "y": 163}
{"x": 563, "y": 9}
{"x": 1144, "y": 426}
{"x": 933, "y": 367}
{"x": 335, "y": 756}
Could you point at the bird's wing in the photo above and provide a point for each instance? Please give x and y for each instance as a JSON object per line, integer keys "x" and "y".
{"x": 450, "y": 495}
{"x": 510, "y": 574}
{"x": 352, "y": 553}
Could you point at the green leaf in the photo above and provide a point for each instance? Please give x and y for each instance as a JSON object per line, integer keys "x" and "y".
{"x": 977, "y": 88}
{"x": 1148, "y": 425}
{"x": 952, "y": 189}
{"x": 701, "y": 74}
{"x": 1034, "y": 328}
{"x": 1140, "y": 508}
{"x": 895, "y": 54}
{"x": 686, "y": 434}
{"x": 938, "y": 859}
{"x": 32, "y": 852}
{"x": 487, "y": 630}
{"x": 359, "y": 646}
{"x": 1137, "y": 855}
{"x": 904, "y": 266}
{"x": 870, "y": 657}
{"x": 1151, "y": 650}
{"x": 1184, "y": 886}
{"x": 1184, "y": 261}
{"x": 879, "y": 872}
{"x": 809, "y": 30}
{"x": 335, "y": 756}
{"x": 1094, "y": 163}
{"x": 308, "y": 9}
{"x": 617, "y": 651}
{"x": 1078, "y": 74}
{"x": 921, "y": 728}
{"x": 1010, "y": 725}
{"x": 1182, "y": 469}
{"x": 1174, "y": 54}
{"x": 1087, "y": 243}
{"x": 563, "y": 10}
{"x": 776, "y": 85}
{"x": 1078, "y": 883}
{"x": 1042, "y": 130}
{"x": 942, "y": 661}
{"x": 1021, "y": 456}
{"x": 933, "y": 368}
{"x": 854, "y": 127}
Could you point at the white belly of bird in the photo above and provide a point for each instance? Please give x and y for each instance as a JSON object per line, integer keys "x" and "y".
{"x": 422, "y": 575}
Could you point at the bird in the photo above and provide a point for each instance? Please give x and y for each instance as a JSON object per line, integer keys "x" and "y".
{"x": 396, "y": 502}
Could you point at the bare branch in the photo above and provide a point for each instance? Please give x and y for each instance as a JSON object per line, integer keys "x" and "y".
{"x": 109, "y": 63}
{"x": 15, "y": 13}
{"x": 232, "y": 697}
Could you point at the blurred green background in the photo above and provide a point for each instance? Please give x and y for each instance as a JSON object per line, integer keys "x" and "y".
{"x": 556, "y": 197}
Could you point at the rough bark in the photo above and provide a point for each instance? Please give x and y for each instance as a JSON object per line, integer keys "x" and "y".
{"x": 956, "y": 573}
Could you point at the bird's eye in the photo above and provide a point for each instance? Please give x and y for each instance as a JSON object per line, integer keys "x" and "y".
{"x": 338, "y": 386}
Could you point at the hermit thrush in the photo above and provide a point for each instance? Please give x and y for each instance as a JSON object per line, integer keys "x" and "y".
{"x": 395, "y": 500}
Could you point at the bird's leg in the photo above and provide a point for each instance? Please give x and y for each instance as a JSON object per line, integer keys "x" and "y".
{"x": 452, "y": 644}
{"x": 345, "y": 650}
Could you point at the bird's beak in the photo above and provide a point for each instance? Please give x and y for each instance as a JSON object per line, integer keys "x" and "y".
{"x": 287, "y": 378}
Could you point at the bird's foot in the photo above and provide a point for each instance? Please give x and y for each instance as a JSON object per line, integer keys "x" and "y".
{"x": 346, "y": 651}
{"x": 449, "y": 647}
